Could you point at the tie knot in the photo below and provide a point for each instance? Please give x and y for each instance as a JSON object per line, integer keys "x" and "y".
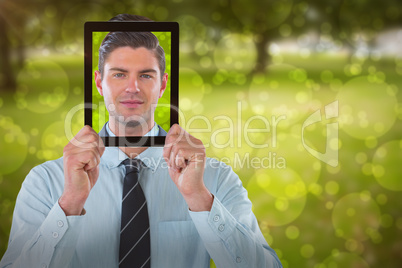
{"x": 132, "y": 165}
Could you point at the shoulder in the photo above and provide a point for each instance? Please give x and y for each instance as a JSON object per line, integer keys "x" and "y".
{"x": 162, "y": 132}
{"x": 44, "y": 182}
{"x": 218, "y": 173}
{"x": 49, "y": 167}
{"x": 49, "y": 172}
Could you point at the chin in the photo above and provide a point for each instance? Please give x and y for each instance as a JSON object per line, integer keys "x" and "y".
{"x": 132, "y": 124}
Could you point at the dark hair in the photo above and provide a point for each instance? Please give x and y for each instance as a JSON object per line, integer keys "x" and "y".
{"x": 134, "y": 40}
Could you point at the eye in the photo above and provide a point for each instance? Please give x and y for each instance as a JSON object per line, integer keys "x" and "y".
{"x": 119, "y": 75}
{"x": 147, "y": 76}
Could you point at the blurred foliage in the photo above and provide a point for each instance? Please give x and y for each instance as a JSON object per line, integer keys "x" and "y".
{"x": 240, "y": 60}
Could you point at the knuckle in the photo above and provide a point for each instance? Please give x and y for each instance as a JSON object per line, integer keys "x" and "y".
{"x": 68, "y": 160}
{"x": 92, "y": 138}
{"x": 87, "y": 129}
{"x": 66, "y": 149}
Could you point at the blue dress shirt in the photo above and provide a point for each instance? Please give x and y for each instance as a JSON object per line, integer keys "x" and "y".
{"x": 43, "y": 236}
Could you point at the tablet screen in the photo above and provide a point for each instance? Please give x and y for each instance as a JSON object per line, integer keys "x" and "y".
{"x": 98, "y": 110}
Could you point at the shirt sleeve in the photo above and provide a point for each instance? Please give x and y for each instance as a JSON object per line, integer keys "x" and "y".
{"x": 41, "y": 234}
{"x": 230, "y": 231}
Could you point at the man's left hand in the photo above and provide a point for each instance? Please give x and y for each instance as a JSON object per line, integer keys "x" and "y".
{"x": 185, "y": 156}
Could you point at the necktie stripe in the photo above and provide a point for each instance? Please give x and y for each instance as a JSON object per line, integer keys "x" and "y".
{"x": 130, "y": 191}
{"x": 128, "y": 223}
{"x": 135, "y": 244}
{"x": 146, "y": 262}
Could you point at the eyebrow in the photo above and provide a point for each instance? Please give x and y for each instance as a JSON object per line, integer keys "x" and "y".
{"x": 118, "y": 69}
{"x": 126, "y": 71}
{"x": 148, "y": 71}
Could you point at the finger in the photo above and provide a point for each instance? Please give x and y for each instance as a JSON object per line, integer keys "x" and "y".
{"x": 175, "y": 129}
{"x": 173, "y": 153}
{"x": 93, "y": 146}
{"x": 166, "y": 154}
{"x": 85, "y": 138}
{"x": 98, "y": 146}
{"x": 180, "y": 161}
{"x": 93, "y": 176}
{"x": 101, "y": 146}
{"x": 82, "y": 160}
{"x": 174, "y": 135}
{"x": 172, "y": 162}
{"x": 90, "y": 160}
{"x": 170, "y": 142}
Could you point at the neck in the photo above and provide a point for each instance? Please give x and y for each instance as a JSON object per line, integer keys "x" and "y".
{"x": 133, "y": 152}
{"x": 120, "y": 129}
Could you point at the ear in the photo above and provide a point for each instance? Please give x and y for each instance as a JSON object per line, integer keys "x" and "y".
{"x": 163, "y": 85}
{"x": 98, "y": 82}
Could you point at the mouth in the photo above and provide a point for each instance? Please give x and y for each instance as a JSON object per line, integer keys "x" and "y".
{"x": 131, "y": 103}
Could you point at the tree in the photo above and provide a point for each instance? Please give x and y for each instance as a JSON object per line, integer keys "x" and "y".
{"x": 261, "y": 19}
{"x": 357, "y": 21}
{"x": 7, "y": 77}
{"x": 14, "y": 18}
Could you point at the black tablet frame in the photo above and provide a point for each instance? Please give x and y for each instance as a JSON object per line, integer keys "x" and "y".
{"x": 133, "y": 26}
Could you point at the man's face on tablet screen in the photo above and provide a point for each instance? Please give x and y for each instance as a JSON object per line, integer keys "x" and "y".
{"x": 131, "y": 85}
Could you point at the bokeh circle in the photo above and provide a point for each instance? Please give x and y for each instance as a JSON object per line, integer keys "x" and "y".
{"x": 13, "y": 145}
{"x": 282, "y": 91}
{"x": 344, "y": 259}
{"x": 356, "y": 216}
{"x": 43, "y": 86}
{"x": 386, "y": 166}
{"x": 277, "y": 208}
{"x": 366, "y": 108}
{"x": 192, "y": 88}
{"x": 241, "y": 61}
{"x": 53, "y": 141}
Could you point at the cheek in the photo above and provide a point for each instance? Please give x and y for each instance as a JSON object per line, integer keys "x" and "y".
{"x": 110, "y": 89}
{"x": 107, "y": 96}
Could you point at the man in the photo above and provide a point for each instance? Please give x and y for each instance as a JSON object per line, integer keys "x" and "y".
{"x": 70, "y": 211}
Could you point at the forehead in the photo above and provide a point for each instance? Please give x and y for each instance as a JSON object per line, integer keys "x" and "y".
{"x": 132, "y": 58}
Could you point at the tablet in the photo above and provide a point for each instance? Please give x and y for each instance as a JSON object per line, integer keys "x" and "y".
{"x": 166, "y": 111}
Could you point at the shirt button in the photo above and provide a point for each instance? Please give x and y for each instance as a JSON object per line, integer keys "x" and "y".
{"x": 216, "y": 218}
{"x": 44, "y": 265}
{"x": 238, "y": 260}
{"x": 55, "y": 234}
{"x": 221, "y": 227}
{"x": 60, "y": 224}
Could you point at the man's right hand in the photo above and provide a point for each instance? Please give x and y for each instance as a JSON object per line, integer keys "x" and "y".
{"x": 81, "y": 158}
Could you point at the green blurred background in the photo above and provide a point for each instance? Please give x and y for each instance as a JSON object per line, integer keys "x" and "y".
{"x": 259, "y": 59}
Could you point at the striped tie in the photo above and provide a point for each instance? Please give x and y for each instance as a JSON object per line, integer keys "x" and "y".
{"x": 135, "y": 242}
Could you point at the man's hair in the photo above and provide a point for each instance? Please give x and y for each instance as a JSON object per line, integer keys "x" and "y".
{"x": 134, "y": 40}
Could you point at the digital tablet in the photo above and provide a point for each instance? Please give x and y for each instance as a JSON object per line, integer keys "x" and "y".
{"x": 166, "y": 111}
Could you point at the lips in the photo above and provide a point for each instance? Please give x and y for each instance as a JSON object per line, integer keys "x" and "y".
{"x": 132, "y": 103}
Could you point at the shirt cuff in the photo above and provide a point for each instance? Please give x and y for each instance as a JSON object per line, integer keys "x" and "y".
{"x": 57, "y": 224}
{"x": 215, "y": 225}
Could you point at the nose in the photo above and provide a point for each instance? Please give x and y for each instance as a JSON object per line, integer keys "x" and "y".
{"x": 132, "y": 85}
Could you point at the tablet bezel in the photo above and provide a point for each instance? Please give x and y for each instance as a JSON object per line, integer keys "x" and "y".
{"x": 132, "y": 26}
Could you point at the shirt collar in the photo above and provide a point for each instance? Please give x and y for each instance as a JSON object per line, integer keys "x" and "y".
{"x": 151, "y": 157}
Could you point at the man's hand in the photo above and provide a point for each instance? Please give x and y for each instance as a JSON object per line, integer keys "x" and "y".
{"x": 81, "y": 158}
{"x": 185, "y": 156}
